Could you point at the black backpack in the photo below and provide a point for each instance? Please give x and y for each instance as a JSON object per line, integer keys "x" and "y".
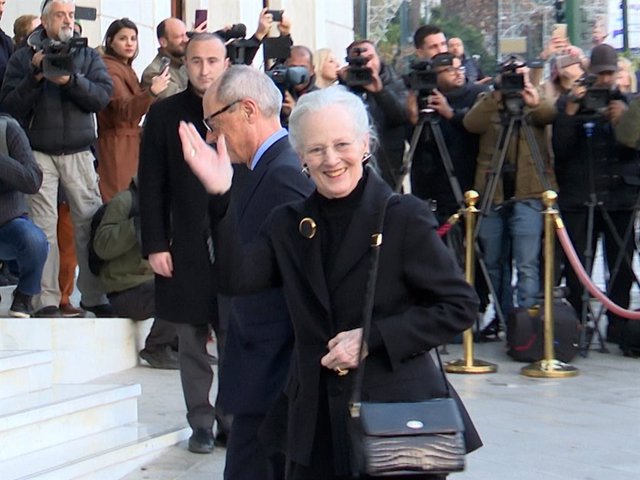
{"x": 95, "y": 262}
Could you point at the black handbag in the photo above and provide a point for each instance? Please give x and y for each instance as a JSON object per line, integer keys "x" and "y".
{"x": 402, "y": 438}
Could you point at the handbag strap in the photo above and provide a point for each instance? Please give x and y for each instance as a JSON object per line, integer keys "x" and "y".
{"x": 367, "y": 311}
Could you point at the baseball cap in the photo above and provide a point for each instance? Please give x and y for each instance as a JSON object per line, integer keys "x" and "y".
{"x": 603, "y": 59}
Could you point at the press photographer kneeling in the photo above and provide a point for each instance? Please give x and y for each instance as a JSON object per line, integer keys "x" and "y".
{"x": 599, "y": 180}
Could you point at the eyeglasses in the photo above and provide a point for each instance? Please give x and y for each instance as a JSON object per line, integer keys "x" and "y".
{"x": 452, "y": 69}
{"x": 207, "y": 120}
{"x": 319, "y": 152}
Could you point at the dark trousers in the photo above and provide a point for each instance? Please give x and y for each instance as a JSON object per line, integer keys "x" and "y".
{"x": 576, "y": 224}
{"x": 196, "y": 374}
{"x": 247, "y": 458}
{"x": 138, "y": 303}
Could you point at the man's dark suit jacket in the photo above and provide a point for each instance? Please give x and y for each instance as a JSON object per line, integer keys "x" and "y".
{"x": 260, "y": 336}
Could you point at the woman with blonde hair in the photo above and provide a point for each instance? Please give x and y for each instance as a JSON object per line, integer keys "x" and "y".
{"x": 326, "y": 66}
{"x": 627, "y": 81}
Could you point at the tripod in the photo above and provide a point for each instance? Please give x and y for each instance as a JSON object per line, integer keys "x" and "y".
{"x": 588, "y": 317}
{"x": 431, "y": 119}
{"x": 513, "y": 121}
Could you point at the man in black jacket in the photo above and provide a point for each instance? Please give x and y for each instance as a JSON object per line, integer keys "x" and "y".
{"x": 596, "y": 171}
{"x": 20, "y": 239}
{"x": 175, "y": 232}
{"x": 386, "y": 99}
{"x": 448, "y": 104}
{"x": 260, "y": 338}
{"x": 58, "y": 111}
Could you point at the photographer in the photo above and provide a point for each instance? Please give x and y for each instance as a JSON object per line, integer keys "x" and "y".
{"x": 384, "y": 93}
{"x": 513, "y": 225}
{"x": 450, "y": 102}
{"x": 55, "y": 89}
{"x": 593, "y": 168}
{"x": 299, "y": 56}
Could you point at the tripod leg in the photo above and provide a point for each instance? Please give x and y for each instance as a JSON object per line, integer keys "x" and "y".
{"x": 535, "y": 154}
{"x": 407, "y": 160}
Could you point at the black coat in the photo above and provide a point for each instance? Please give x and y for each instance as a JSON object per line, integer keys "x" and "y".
{"x": 421, "y": 301}
{"x": 260, "y": 336}
{"x": 600, "y": 163}
{"x": 173, "y": 213}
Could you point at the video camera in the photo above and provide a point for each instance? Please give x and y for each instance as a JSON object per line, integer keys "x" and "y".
{"x": 357, "y": 74}
{"x": 58, "y": 55}
{"x": 596, "y": 99}
{"x": 423, "y": 78}
{"x": 286, "y": 78}
{"x": 511, "y": 84}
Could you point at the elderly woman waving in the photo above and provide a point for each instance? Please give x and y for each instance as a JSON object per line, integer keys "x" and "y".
{"x": 318, "y": 250}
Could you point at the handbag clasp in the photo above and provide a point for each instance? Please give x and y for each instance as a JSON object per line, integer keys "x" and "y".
{"x": 354, "y": 410}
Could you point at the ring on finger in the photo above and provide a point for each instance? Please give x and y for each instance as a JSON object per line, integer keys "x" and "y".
{"x": 341, "y": 371}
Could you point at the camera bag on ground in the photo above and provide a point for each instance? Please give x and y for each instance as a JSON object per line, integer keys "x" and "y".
{"x": 630, "y": 338}
{"x": 525, "y": 333}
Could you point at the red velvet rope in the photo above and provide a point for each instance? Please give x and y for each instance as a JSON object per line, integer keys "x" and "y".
{"x": 570, "y": 252}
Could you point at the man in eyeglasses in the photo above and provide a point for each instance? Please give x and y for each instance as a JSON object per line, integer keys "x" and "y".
{"x": 175, "y": 232}
{"x": 243, "y": 106}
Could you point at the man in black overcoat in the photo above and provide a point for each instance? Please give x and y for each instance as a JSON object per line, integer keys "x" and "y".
{"x": 260, "y": 337}
{"x": 175, "y": 232}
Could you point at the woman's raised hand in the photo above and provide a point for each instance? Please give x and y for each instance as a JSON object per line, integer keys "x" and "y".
{"x": 211, "y": 166}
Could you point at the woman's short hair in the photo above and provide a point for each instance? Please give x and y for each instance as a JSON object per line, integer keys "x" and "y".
{"x": 113, "y": 30}
{"x": 337, "y": 95}
{"x": 242, "y": 81}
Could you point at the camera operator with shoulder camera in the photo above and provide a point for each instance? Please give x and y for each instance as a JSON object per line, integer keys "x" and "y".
{"x": 385, "y": 95}
{"x": 54, "y": 86}
{"x": 448, "y": 102}
{"x": 597, "y": 175}
{"x": 511, "y": 225}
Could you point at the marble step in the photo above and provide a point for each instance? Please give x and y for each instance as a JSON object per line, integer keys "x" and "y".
{"x": 41, "y": 419}
{"x": 23, "y": 371}
{"x": 83, "y": 348}
{"x": 110, "y": 454}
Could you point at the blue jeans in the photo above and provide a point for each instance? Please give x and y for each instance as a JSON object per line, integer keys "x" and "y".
{"x": 520, "y": 225}
{"x": 21, "y": 240}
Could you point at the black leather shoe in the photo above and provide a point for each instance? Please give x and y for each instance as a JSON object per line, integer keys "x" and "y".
{"x": 220, "y": 439}
{"x": 162, "y": 357}
{"x": 100, "y": 311}
{"x": 201, "y": 441}
{"x": 48, "y": 312}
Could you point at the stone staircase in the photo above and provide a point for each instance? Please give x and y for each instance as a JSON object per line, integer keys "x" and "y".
{"x": 56, "y": 421}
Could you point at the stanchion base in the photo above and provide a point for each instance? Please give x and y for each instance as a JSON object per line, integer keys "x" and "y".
{"x": 549, "y": 369}
{"x": 477, "y": 366}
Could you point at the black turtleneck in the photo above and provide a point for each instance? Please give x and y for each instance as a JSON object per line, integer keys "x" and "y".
{"x": 335, "y": 217}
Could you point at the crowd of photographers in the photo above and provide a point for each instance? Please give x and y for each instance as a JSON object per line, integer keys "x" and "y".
{"x": 508, "y": 137}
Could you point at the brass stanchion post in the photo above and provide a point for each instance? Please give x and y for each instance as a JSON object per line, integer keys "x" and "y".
{"x": 468, "y": 364}
{"x": 549, "y": 367}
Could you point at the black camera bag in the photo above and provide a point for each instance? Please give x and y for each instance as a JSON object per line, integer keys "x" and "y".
{"x": 525, "y": 333}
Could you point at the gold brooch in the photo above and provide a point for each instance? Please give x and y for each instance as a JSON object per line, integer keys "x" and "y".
{"x": 307, "y": 227}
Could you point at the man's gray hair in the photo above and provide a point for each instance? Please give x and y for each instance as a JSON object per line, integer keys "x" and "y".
{"x": 47, "y": 4}
{"x": 311, "y": 103}
{"x": 242, "y": 81}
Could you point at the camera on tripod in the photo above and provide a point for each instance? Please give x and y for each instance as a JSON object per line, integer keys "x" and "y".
{"x": 596, "y": 99}
{"x": 358, "y": 74}
{"x": 511, "y": 84}
{"x": 423, "y": 78}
